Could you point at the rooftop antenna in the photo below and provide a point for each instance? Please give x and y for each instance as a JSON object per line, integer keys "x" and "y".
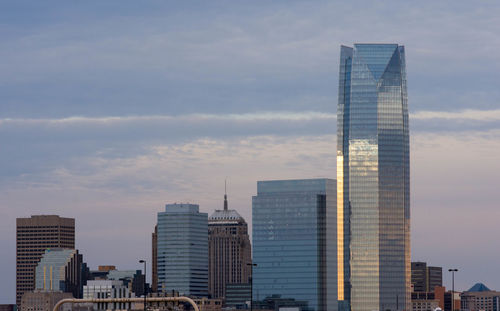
{"x": 225, "y": 194}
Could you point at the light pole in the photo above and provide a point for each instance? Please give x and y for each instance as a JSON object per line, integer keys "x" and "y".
{"x": 144, "y": 262}
{"x": 452, "y": 288}
{"x": 251, "y": 283}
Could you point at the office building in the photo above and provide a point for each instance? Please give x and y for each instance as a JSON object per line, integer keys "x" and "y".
{"x": 294, "y": 241}
{"x": 229, "y": 250}
{"x": 425, "y": 278}
{"x": 434, "y": 277}
{"x": 183, "y": 250}
{"x": 8, "y": 307}
{"x": 33, "y": 236}
{"x": 62, "y": 270}
{"x": 419, "y": 276}
{"x": 480, "y": 298}
{"x": 373, "y": 179}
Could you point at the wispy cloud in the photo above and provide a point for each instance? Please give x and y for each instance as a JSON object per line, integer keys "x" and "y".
{"x": 262, "y": 116}
{"x": 468, "y": 114}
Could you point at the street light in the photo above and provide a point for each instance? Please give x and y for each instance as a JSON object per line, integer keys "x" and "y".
{"x": 144, "y": 262}
{"x": 251, "y": 283}
{"x": 452, "y": 288}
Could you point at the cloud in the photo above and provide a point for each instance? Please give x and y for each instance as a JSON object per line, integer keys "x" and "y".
{"x": 468, "y": 114}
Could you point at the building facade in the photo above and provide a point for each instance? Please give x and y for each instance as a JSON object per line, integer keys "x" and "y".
{"x": 60, "y": 269}
{"x": 33, "y": 236}
{"x": 294, "y": 241}
{"x": 238, "y": 295}
{"x": 229, "y": 250}
{"x": 373, "y": 179}
{"x": 434, "y": 277}
{"x": 108, "y": 289}
{"x": 183, "y": 250}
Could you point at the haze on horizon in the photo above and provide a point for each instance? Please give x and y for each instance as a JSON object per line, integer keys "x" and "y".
{"x": 109, "y": 110}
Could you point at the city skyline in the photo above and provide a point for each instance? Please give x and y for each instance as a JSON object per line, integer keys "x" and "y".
{"x": 99, "y": 120}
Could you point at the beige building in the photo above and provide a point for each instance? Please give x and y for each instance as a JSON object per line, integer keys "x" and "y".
{"x": 33, "y": 236}
{"x": 480, "y": 298}
{"x": 43, "y": 300}
{"x": 229, "y": 250}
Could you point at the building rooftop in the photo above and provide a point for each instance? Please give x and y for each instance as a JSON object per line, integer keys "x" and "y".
{"x": 479, "y": 287}
{"x": 225, "y": 215}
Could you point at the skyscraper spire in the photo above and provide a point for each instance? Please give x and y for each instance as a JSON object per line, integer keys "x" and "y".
{"x": 225, "y": 194}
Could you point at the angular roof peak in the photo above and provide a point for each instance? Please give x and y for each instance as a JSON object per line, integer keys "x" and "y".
{"x": 479, "y": 287}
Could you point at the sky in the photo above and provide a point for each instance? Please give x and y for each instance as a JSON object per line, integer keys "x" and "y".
{"x": 111, "y": 109}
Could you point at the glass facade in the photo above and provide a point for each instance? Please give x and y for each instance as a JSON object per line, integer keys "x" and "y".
{"x": 294, "y": 235}
{"x": 50, "y": 273}
{"x": 373, "y": 223}
{"x": 183, "y": 250}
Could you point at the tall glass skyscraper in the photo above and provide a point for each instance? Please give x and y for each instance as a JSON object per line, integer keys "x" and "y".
{"x": 182, "y": 244}
{"x": 373, "y": 179}
{"x": 294, "y": 242}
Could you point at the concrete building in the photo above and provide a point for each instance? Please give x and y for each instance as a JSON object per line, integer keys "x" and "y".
{"x": 229, "y": 250}
{"x": 33, "y": 236}
{"x": 294, "y": 241}
{"x": 480, "y": 298}
{"x": 60, "y": 269}
{"x": 183, "y": 250}
{"x": 8, "y": 307}
{"x": 108, "y": 289}
{"x": 43, "y": 300}
{"x": 373, "y": 179}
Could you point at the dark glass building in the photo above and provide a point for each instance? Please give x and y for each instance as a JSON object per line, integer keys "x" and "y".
{"x": 294, "y": 242}
{"x": 373, "y": 179}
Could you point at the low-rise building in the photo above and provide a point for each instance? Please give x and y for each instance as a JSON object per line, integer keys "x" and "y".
{"x": 424, "y": 301}
{"x": 480, "y": 298}
{"x": 238, "y": 295}
{"x": 43, "y": 300}
{"x": 107, "y": 289}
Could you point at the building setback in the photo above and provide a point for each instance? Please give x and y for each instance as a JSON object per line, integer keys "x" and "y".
{"x": 33, "y": 236}
{"x": 183, "y": 250}
{"x": 294, "y": 242}
{"x": 61, "y": 269}
{"x": 373, "y": 179}
{"x": 229, "y": 250}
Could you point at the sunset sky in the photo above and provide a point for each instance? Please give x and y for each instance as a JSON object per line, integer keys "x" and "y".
{"x": 111, "y": 109}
